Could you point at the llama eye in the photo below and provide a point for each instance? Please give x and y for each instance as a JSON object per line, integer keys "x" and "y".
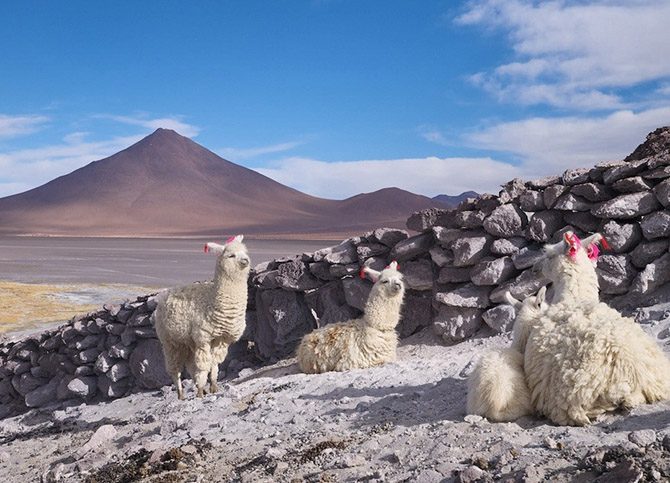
{"x": 385, "y": 281}
{"x": 231, "y": 256}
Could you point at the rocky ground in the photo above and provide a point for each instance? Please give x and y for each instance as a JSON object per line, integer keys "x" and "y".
{"x": 404, "y": 421}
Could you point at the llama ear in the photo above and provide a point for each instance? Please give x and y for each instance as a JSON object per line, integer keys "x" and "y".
{"x": 541, "y": 296}
{"x": 512, "y": 301}
{"x": 555, "y": 249}
{"x": 215, "y": 248}
{"x": 393, "y": 265}
{"x": 595, "y": 238}
{"x": 236, "y": 238}
{"x": 372, "y": 274}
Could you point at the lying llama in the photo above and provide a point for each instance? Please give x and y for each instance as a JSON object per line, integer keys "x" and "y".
{"x": 368, "y": 341}
{"x": 197, "y": 323}
{"x": 583, "y": 358}
{"x": 497, "y": 387}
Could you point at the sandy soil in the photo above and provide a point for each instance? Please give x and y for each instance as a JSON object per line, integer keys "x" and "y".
{"x": 404, "y": 421}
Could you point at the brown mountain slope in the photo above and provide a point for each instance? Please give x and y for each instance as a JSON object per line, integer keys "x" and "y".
{"x": 167, "y": 184}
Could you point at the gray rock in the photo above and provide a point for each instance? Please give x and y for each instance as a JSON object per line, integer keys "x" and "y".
{"x": 470, "y": 296}
{"x": 320, "y": 270}
{"x": 389, "y": 236}
{"x": 632, "y": 185}
{"x": 102, "y": 436}
{"x": 627, "y": 206}
{"x": 531, "y": 201}
{"x": 148, "y": 365}
{"x": 111, "y": 389}
{"x": 512, "y": 190}
{"x": 81, "y": 387}
{"x": 500, "y": 318}
{"x": 648, "y": 251}
{"x": 583, "y": 220}
{"x": 505, "y": 221}
{"x": 469, "y": 219}
{"x": 344, "y": 253}
{"x": 339, "y": 271}
{"x": 115, "y": 329}
{"x": 417, "y": 312}
{"x": 544, "y": 224}
{"x": 553, "y": 193}
{"x": 543, "y": 182}
{"x": 294, "y": 275}
{"x": 508, "y": 246}
{"x": 621, "y": 237}
{"x": 26, "y": 382}
{"x": 455, "y": 324}
{"x": 572, "y": 177}
{"x": 376, "y": 263}
{"x": 441, "y": 256}
{"x": 84, "y": 371}
{"x": 283, "y": 318}
{"x": 88, "y": 356}
{"x": 526, "y": 284}
{"x": 625, "y": 170}
{"x": 450, "y": 274}
{"x": 367, "y": 250}
{"x": 119, "y": 351}
{"x": 493, "y": 272}
{"x": 656, "y": 225}
{"x": 87, "y": 342}
{"x": 653, "y": 276}
{"x": 642, "y": 437}
{"x": 356, "y": 292}
{"x": 658, "y": 173}
{"x": 412, "y": 247}
{"x": 43, "y": 395}
{"x": 446, "y": 236}
{"x": 118, "y": 371}
{"x": 470, "y": 248}
{"x": 418, "y": 275}
{"x": 426, "y": 219}
{"x": 662, "y": 192}
{"x": 571, "y": 202}
{"x": 471, "y": 474}
{"x": 487, "y": 202}
{"x": 329, "y": 304}
{"x": 615, "y": 273}
{"x": 593, "y": 192}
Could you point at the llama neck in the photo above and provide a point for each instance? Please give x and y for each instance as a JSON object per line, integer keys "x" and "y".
{"x": 578, "y": 285}
{"x": 381, "y": 312}
{"x": 226, "y": 289}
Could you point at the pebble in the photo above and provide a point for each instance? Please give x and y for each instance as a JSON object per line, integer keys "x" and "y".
{"x": 643, "y": 437}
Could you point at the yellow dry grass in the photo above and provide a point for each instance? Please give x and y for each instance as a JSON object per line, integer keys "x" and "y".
{"x": 25, "y": 304}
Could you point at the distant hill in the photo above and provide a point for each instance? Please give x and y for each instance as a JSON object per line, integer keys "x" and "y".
{"x": 168, "y": 185}
{"x": 453, "y": 201}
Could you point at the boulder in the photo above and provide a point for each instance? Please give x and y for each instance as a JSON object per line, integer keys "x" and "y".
{"x": 416, "y": 313}
{"x": 543, "y": 182}
{"x": 329, "y": 304}
{"x": 455, "y": 324}
{"x": 356, "y": 292}
{"x": 593, "y": 192}
{"x": 627, "y": 206}
{"x": 662, "y": 192}
{"x": 544, "y": 224}
{"x": 119, "y": 371}
{"x": 148, "y": 365}
{"x": 632, "y": 185}
{"x": 500, "y": 318}
{"x": 656, "y": 225}
{"x": 621, "y": 237}
{"x": 493, "y": 272}
{"x": 418, "y": 275}
{"x": 615, "y": 274}
{"x": 571, "y": 202}
{"x": 344, "y": 253}
{"x": 553, "y": 193}
{"x": 339, "y": 271}
{"x": 505, "y": 221}
{"x": 524, "y": 285}
{"x": 389, "y": 236}
{"x": 470, "y": 248}
{"x": 572, "y": 177}
{"x": 446, "y": 236}
{"x": 367, "y": 250}
{"x": 412, "y": 247}
{"x": 624, "y": 170}
{"x": 583, "y": 220}
{"x": 441, "y": 256}
{"x": 469, "y": 219}
{"x": 470, "y": 296}
{"x": 531, "y": 201}
{"x": 648, "y": 251}
{"x": 653, "y": 276}
{"x": 43, "y": 395}
{"x": 508, "y": 246}
{"x": 450, "y": 274}
{"x": 426, "y": 219}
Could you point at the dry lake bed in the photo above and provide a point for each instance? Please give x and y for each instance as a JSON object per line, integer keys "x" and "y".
{"x": 45, "y": 279}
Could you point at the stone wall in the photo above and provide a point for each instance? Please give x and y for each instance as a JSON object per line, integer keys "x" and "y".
{"x": 457, "y": 269}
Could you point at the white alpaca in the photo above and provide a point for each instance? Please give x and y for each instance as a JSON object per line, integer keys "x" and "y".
{"x": 583, "y": 358}
{"x": 497, "y": 387}
{"x": 368, "y": 341}
{"x": 197, "y": 323}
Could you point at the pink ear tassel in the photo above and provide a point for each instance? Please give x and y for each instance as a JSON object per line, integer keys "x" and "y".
{"x": 206, "y": 248}
{"x": 229, "y": 240}
{"x": 575, "y": 244}
{"x": 593, "y": 251}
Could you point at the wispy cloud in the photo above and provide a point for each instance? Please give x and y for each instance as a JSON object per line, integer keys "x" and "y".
{"x": 575, "y": 55}
{"x": 246, "y": 153}
{"x": 175, "y": 123}
{"x": 428, "y": 176}
{"x": 27, "y": 168}
{"x": 13, "y": 126}
{"x": 551, "y": 145}
{"x": 433, "y": 135}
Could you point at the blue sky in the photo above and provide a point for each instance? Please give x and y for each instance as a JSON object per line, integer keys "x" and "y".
{"x": 335, "y": 97}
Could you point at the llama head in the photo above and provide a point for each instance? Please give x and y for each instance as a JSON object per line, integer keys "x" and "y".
{"x": 388, "y": 282}
{"x": 561, "y": 258}
{"x": 533, "y": 305}
{"x": 232, "y": 256}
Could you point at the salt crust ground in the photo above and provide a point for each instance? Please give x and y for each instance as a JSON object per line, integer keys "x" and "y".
{"x": 404, "y": 421}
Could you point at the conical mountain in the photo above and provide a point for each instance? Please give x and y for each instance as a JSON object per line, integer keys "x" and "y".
{"x": 166, "y": 184}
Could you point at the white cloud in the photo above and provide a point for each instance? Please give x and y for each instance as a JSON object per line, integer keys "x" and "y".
{"x": 12, "y": 126}
{"x": 551, "y": 145}
{"x": 246, "y": 153}
{"x": 429, "y": 176}
{"x": 175, "y": 123}
{"x": 433, "y": 135}
{"x": 575, "y": 54}
{"x": 27, "y": 168}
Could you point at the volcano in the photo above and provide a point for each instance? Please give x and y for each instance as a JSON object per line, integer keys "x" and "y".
{"x": 168, "y": 185}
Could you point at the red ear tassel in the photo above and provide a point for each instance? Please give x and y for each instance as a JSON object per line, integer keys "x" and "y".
{"x": 604, "y": 244}
{"x": 362, "y": 273}
{"x": 230, "y": 239}
{"x": 206, "y": 248}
